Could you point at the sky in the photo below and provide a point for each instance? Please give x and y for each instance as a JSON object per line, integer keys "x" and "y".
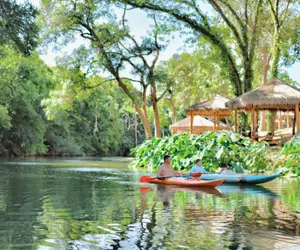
{"x": 139, "y": 23}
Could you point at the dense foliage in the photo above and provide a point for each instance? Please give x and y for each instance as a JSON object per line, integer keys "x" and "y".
{"x": 291, "y": 154}
{"x": 18, "y": 25}
{"x": 216, "y": 149}
{"x": 25, "y": 81}
{"x": 110, "y": 92}
{"x": 93, "y": 123}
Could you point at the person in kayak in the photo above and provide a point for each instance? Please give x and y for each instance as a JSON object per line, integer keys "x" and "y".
{"x": 198, "y": 168}
{"x": 166, "y": 170}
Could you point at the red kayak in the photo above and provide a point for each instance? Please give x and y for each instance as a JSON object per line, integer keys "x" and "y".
{"x": 185, "y": 182}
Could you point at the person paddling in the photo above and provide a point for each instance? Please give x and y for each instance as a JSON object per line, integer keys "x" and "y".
{"x": 166, "y": 170}
{"x": 198, "y": 168}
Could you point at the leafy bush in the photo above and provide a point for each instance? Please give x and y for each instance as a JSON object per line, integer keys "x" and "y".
{"x": 291, "y": 154}
{"x": 216, "y": 149}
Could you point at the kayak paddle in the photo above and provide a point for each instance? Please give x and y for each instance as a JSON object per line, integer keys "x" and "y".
{"x": 147, "y": 178}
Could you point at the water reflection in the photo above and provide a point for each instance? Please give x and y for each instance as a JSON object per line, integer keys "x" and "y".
{"x": 249, "y": 189}
{"x": 53, "y": 207}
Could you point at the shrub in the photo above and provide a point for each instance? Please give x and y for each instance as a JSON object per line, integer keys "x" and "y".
{"x": 216, "y": 149}
{"x": 291, "y": 154}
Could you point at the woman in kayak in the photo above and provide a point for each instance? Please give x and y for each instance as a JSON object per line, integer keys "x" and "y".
{"x": 166, "y": 170}
{"x": 198, "y": 168}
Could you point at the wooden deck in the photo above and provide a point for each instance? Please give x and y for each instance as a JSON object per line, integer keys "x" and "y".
{"x": 280, "y": 137}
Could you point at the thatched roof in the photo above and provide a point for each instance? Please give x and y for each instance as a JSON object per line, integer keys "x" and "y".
{"x": 275, "y": 95}
{"x": 198, "y": 121}
{"x": 210, "y": 108}
{"x": 217, "y": 103}
{"x": 200, "y": 125}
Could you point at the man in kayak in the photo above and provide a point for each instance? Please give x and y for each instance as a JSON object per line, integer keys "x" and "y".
{"x": 166, "y": 170}
{"x": 198, "y": 168}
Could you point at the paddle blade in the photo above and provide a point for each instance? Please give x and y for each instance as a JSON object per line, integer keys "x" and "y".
{"x": 146, "y": 178}
{"x": 145, "y": 190}
{"x": 198, "y": 174}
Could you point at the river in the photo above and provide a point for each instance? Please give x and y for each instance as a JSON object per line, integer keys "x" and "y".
{"x": 89, "y": 203}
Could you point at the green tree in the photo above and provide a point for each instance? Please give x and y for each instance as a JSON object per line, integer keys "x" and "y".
{"x": 113, "y": 49}
{"x": 196, "y": 75}
{"x": 279, "y": 10}
{"x": 18, "y": 25}
{"x": 25, "y": 81}
{"x": 242, "y": 26}
{"x": 87, "y": 120}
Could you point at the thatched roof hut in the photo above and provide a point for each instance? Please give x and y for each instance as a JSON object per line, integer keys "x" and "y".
{"x": 215, "y": 108}
{"x": 200, "y": 125}
{"x": 275, "y": 95}
{"x": 209, "y": 108}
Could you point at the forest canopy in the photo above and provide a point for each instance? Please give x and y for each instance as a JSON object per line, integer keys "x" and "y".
{"x": 115, "y": 88}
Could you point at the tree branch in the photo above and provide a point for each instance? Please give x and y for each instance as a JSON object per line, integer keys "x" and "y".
{"x": 285, "y": 12}
{"x": 151, "y": 69}
{"x": 204, "y": 18}
{"x": 97, "y": 85}
{"x": 229, "y": 23}
{"x": 274, "y": 12}
{"x": 170, "y": 83}
{"x": 232, "y": 11}
{"x": 254, "y": 29}
{"x": 217, "y": 41}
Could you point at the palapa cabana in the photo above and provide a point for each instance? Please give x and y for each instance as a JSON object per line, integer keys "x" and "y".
{"x": 200, "y": 125}
{"x": 215, "y": 108}
{"x": 273, "y": 96}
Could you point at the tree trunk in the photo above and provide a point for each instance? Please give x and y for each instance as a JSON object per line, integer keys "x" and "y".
{"x": 144, "y": 119}
{"x": 144, "y": 101}
{"x": 173, "y": 109}
{"x": 276, "y": 55}
{"x": 271, "y": 122}
{"x": 248, "y": 74}
{"x": 263, "y": 120}
{"x": 135, "y": 130}
{"x": 274, "y": 72}
{"x": 155, "y": 111}
{"x": 142, "y": 112}
{"x": 143, "y": 115}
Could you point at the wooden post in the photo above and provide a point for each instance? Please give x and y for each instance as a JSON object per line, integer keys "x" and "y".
{"x": 280, "y": 121}
{"x": 218, "y": 120}
{"x": 192, "y": 122}
{"x": 288, "y": 125}
{"x": 214, "y": 121}
{"x": 297, "y": 118}
{"x": 228, "y": 125}
{"x": 235, "y": 121}
{"x": 256, "y": 120}
{"x": 253, "y": 123}
{"x": 294, "y": 121}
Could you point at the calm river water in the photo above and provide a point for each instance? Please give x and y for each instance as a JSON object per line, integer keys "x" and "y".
{"x": 85, "y": 203}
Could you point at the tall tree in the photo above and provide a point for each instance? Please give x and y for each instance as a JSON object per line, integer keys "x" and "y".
{"x": 18, "y": 25}
{"x": 279, "y": 10}
{"x": 113, "y": 49}
{"x": 196, "y": 76}
{"x": 25, "y": 81}
{"x": 241, "y": 24}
